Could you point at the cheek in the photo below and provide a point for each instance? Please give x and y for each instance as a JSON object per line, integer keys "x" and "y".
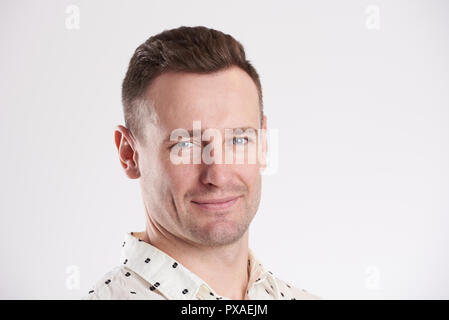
{"x": 180, "y": 177}
{"x": 251, "y": 171}
{"x": 250, "y": 175}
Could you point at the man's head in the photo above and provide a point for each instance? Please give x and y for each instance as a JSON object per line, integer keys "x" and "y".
{"x": 175, "y": 78}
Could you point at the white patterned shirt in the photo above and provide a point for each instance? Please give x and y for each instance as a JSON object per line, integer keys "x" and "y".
{"x": 150, "y": 274}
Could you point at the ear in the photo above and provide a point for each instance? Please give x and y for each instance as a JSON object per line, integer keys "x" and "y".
{"x": 264, "y": 145}
{"x": 127, "y": 151}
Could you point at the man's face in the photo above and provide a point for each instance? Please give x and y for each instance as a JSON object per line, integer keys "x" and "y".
{"x": 178, "y": 196}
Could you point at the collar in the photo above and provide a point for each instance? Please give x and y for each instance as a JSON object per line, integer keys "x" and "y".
{"x": 174, "y": 280}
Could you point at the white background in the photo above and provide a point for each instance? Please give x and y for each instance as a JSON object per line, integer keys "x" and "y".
{"x": 359, "y": 206}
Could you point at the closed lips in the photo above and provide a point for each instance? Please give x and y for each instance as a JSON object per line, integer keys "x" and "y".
{"x": 215, "y": 201}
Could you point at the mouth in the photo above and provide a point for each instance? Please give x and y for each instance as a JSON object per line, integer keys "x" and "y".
{"x": 216, "y": 204}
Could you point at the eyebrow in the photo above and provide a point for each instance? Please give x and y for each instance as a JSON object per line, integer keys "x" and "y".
{"x": 243, "y": 129}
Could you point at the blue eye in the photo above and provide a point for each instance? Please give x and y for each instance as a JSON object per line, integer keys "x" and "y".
{"x": 240, "y": 140}
{"x": 184, "y": 144}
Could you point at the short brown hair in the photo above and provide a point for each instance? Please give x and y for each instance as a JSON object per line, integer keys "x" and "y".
{"x": 184, "y": 49}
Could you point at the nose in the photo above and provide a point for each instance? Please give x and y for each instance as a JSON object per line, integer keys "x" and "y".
{"x": 214, "y": 174}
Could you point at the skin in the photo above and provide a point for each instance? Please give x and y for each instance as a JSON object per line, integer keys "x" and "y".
{"x": 212, "y": 245}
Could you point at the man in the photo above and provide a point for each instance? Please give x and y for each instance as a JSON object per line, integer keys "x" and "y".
{"x": 195, "y": 245}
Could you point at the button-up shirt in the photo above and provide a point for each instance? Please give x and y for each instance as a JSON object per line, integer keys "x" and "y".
{"x": 149, "y": 273}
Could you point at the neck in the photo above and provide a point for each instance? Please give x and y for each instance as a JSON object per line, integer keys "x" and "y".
{"x": 224, "y": 268}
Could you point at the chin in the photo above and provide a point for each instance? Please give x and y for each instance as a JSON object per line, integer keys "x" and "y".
{"x": 218, "y": 234}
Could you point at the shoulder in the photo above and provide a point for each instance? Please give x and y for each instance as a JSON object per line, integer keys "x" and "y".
{"x": 115, "y": 284}
{"x": 290, "y": 292}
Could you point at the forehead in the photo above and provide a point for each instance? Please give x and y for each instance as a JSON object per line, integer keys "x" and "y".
{"x": 223, "y": 99}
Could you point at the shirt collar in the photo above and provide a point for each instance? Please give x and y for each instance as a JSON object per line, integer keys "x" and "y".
{"x": 174, "y": 280}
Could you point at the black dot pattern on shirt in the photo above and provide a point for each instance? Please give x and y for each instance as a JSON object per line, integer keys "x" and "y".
{"x": 91, "y": 291}
{"x": 185, "y": 291}
{"x": 107, "y": 281}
